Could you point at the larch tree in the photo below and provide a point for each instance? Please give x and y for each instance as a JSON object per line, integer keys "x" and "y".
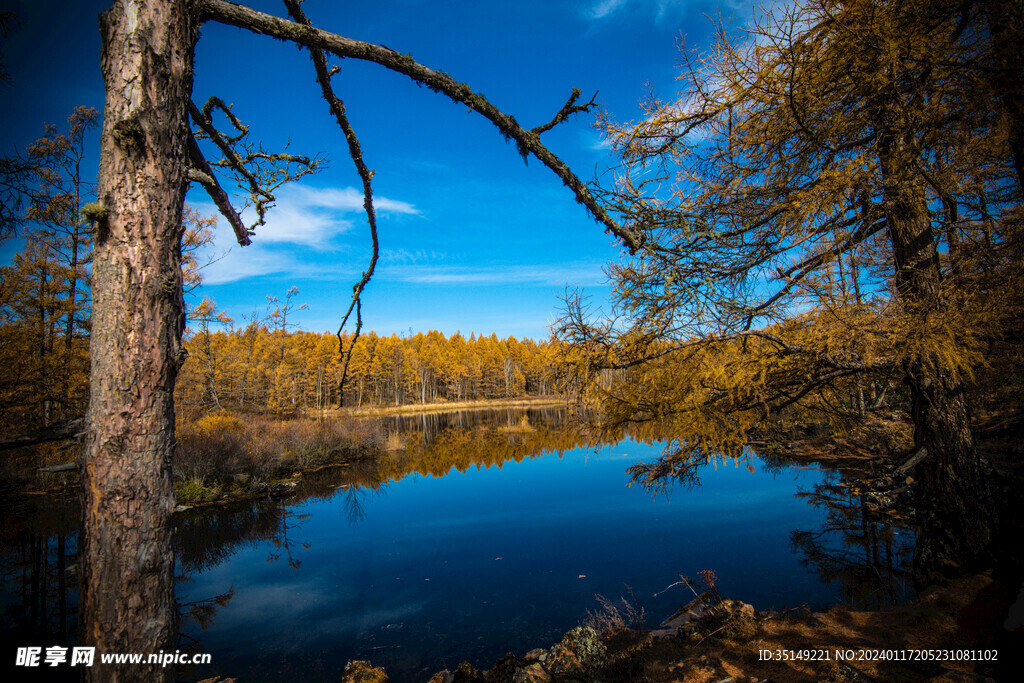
{"x": 45, "y": 293}
{"x": 155, "y": 141}
{"x": 827, "y": 203}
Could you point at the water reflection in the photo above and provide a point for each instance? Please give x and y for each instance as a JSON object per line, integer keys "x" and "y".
{"x": 38, "y": 555}
{"x": 864, "y": 553}
{"x": 438, "y": 443}
{"x": 489, "y": 531}
{"x": 38, "y": 560}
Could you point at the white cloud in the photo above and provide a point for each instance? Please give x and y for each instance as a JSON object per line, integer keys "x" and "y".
{"x": 668, "y": 9}
{"x": 350, "y": 199}
{"x": 597, "y": 142}
{"x": 303, "y": 220}
{"x": 606, "y": 7}
{"x": 252, "y": 262}
{"x": 315, "y": 216}
{"x": 404, "y": 256}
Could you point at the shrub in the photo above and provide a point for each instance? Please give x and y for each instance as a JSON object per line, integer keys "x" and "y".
{"x": 224, "y": 445}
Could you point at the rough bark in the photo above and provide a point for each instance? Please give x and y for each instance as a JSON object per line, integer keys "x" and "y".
{"x": 127, "y": 559}
{"x": 954, "y": 509}
{"x": 1006, "y": 26}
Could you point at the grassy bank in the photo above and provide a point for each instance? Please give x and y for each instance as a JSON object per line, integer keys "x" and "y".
{"x": 227, "y": 456}
{"x": 224, "y": 456}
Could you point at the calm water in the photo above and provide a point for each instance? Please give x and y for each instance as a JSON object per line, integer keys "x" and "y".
{"x": 492, "y": 533}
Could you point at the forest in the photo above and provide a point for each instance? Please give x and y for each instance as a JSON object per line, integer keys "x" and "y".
{"x": 258, "y": 368}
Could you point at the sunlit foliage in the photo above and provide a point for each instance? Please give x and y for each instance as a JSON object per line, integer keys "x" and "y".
{"x": 767, "y": 286}
{"x": 44, "y": 293}
{"x": 830, "y": 210}
{"x": 265, "y": 366}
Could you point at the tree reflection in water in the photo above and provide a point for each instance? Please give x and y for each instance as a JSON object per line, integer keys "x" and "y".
{"x": 865, "y": 555}
{"x": 38, "y": 556}
{"x": 862, "y": 551}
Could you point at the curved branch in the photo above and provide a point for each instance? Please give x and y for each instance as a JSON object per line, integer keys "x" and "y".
{"x": 203, "y": 174}
{"x": 323, "y": 77}
{"x": 526, "y": 141}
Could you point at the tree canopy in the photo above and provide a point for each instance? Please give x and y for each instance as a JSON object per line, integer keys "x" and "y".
{"x": 830, "y": 202}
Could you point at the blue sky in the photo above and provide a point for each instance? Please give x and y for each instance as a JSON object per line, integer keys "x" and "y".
{"x": 471, "y": 238}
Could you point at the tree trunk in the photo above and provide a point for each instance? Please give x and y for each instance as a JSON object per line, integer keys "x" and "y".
{"x": 1006, "y": 26}
{"x": 955, "y": 516}
{"x": 138, "y": 316}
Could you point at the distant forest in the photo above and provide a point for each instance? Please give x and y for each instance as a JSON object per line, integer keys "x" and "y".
{"x": 258, "y": 367}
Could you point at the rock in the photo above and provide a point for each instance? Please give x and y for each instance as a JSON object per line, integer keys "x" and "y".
{"x": 579, "y": 654}
{"x": 534, "y": 673}
{"x": 504, "y": 670}
{"x": 467, "y": 673}
{"x": 538, "y": 654}
{"x": 361, "y": 671}
{"x": 441, "y": 677}
{"x": 739, "y": 610}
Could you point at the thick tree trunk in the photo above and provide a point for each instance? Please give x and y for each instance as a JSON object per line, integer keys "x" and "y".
{"x": 1006, "y": 26}
{"x": 128, "y": 593}
{"x": 955, "y": 516}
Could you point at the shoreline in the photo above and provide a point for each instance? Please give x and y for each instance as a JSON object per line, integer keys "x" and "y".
{"x": 442, "y": 407}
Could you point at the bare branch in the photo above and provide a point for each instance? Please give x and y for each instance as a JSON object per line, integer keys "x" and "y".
{"x": 257, "y": 171}
{"x": 567, "y": 110}
{"x": 526, "y": 141}
{"x": 323, "y": 77}
{"x": 73, "y": 428}
{"x": 203, "y": 174}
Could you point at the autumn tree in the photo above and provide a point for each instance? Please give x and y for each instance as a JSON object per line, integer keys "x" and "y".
{"x": 203, "y": 316}
{"x": 45, "y": 293}
{"x": 827, "y": 203}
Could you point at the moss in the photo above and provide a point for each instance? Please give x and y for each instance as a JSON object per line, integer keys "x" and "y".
{"x": 95, "y": 212}
{"x": 129, "y": 136}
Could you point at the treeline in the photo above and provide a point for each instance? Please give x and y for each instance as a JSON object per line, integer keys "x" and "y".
{"x": 46, "y": 307}
{"x": 45, "y": 297}
{"x": 267, "y": 367}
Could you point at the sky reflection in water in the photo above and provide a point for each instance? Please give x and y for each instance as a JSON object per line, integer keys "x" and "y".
{"x": 472, "y": 565}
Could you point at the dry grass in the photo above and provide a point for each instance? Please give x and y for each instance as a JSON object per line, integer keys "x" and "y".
{"x": 612, "y": 618}
{"x": 222, "y": 446}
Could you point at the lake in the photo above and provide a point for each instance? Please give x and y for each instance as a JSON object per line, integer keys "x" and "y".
{"x": 491, "y": 531}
